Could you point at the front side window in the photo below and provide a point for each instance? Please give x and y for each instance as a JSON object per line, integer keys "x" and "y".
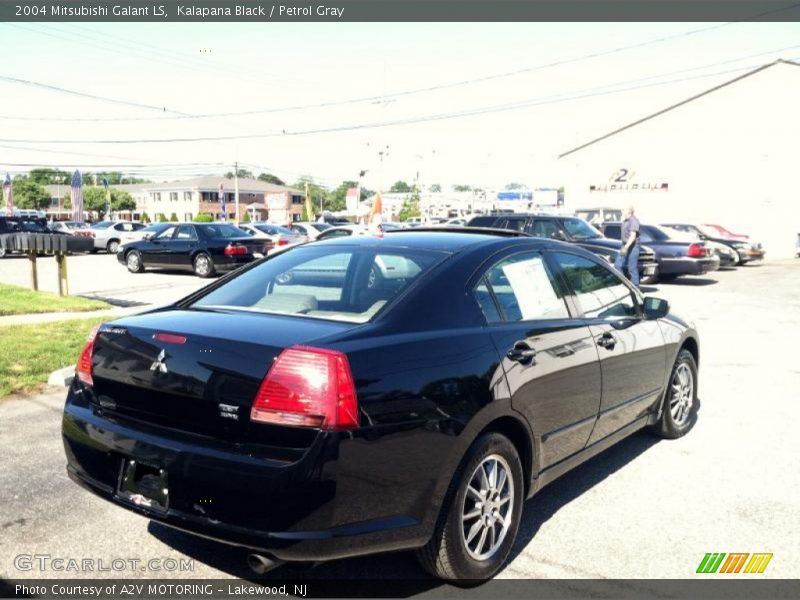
{"x": 350, "y": 285}
{"x": 166, "y": 233}
{"x": 600, "y": 292}
{"x": 220, "y": 230}
{"x": 514, "y": 224}
{"x": 581, "y": 230}
{"x": 523, "y": 289}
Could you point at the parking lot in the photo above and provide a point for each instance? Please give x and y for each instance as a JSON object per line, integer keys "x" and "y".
{"x": 642, "y": 509}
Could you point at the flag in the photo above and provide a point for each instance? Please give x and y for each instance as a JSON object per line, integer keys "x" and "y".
{"x": 8, "y": 194}
{"x": 221, "y": 200}
{"x": 76, "y": 195}
{"x": 108, "y": 198}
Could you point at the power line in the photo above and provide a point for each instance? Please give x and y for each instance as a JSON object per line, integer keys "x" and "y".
{"x": 60, "y": 90}
{"x": 540, "y": 101}
{"x": 427, "y": 89}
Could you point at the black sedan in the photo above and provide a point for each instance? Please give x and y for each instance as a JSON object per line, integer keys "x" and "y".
{"x": 676, "y": 256}
{"x": 205, "y": 248}
{"x": 313, "y": 419}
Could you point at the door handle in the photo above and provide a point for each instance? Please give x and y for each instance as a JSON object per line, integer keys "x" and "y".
{"x": 607, "y": 341}
{"x": 521, "y": 353}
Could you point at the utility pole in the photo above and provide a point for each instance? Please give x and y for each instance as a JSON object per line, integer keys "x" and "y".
{"x": 236, "y": 190}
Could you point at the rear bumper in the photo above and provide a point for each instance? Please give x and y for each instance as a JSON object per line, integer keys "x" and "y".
{"x": 684, "y": 265}
{"x": 295, "y": 510}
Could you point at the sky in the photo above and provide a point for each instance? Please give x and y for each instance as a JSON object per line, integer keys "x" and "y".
{"x": 532, "y": 91}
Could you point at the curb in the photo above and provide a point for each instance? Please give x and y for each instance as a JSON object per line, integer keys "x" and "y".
{"x": 62, "y": 377}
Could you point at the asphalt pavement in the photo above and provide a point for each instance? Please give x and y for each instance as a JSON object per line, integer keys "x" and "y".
{"x": 642, "y": 509}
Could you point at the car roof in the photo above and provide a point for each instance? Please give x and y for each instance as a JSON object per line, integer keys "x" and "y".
{"x": 444, "y": 239}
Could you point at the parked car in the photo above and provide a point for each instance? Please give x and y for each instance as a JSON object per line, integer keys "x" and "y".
{"x": 342, "y": 231}
{"x": 205, "y": 248}
{"x": 456, "y": 222}
{"x": 391, "y": 226}
{"x": 741, "y": 250}
{"x": 597, "y": 216}
{"x": 68, "y": 227}
{"x": 107, "y": 235}
{"x": 725, "y": 233}
{"x": 675, "y": 256}
{"x": 277, "y": 235}
{"x": 414, "y": 221}
{"x": 328, "y": 419}
{"x": 310, "y": 229}
{"x": 569, "y": 229}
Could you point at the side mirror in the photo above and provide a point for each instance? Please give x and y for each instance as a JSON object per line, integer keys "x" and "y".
{"x": 655, "y": 308}
{"x": 559, "y": 235}
{"x": 147, "y": 236}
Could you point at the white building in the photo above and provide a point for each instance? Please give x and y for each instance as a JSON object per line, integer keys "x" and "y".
{"x": 726, "y": 156}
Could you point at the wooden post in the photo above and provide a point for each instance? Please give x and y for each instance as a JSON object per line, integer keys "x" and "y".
{"x": 34, "y": 273}
{"x": 63, "y": 285}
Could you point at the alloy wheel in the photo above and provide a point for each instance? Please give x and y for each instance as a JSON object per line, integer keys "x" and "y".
{"x": 487, "y": 511}
{"x": 682, "y": 390}
{"x": 202, "y": 265}
{"x": 133, "y": 261}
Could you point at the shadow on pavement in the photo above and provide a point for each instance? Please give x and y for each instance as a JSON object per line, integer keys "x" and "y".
{"x": 114, "y": 301}
{"x": 691, "y": 281}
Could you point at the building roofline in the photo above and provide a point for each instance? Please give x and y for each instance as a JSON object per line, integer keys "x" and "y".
{"x": 674, "y": 106}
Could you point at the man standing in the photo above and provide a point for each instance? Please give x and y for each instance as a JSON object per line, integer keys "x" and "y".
{"x": 629, "y": 254}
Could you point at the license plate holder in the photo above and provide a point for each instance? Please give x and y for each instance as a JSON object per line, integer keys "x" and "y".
{"x": 143, "y": 485}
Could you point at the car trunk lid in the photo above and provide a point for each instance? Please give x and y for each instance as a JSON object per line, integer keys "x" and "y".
{"x": 195, "y": 370}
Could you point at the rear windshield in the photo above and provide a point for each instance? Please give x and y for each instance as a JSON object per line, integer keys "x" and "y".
{"x": 221, "y": 230}
{"x": 341, "y": 283}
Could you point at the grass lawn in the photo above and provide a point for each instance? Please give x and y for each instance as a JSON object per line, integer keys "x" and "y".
{"x": 29, "y": 353}
{"x": 15, "y": 300}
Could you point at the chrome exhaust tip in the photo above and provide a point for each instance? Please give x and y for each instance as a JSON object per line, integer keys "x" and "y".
{"x": 261, "y": 564}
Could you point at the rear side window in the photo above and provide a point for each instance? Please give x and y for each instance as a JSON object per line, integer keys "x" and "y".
{"x": 600, "y": 291}
{"x": 513, "y": 224}
{"x": 523, "y": 288}
{"x": 349, "y": 284}
{"x": 544, "y": 229}
{"x": 613, "y": 231}
{"x": 488, "y": 221}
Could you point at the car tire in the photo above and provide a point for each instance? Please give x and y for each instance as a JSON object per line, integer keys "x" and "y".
{"x": 112, "y": 246}
{"x": 453, "y": 552}
{"x": 737, "y": 258}
{"x": 203, "y": 265}
{"x": 679, "y": 407}
{"x": 134, "y": 262}
{"x": 3, "y": 252}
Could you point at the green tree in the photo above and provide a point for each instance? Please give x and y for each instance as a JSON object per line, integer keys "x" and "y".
{"x": 29, "y": 194}
{"x": 410, "y": 209}
{"x": 162, "y": 218}
{"x": 318, "y": 193}
{"x": 270, "y": 178}
{"x": 94, "y": 198}
{"x": 246, "y": 217}
{"x": 400, "y": 187}
{"x": 173, "y": 218}
{"x": 242, "y": 174}
{"x": 515, "y": 186}
{"x": 145, "y": 218}
{"x": 435, "y": 188}
{"x": 462, "y": 188}
{"x": 46, "y": 176}
{"x": 203, "y": 218}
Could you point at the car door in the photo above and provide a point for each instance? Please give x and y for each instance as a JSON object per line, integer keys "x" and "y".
{"x": 181, "y": 247}
{"x": 631, "y": 349}
{"x": 550, "y": 360}
{"x": 156, "y": 251}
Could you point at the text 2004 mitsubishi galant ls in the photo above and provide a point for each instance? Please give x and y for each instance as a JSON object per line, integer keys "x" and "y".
{"x": 370, "y": 394}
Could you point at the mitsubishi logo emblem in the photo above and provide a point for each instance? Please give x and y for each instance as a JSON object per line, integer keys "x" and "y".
{"x": 159, "y": 364}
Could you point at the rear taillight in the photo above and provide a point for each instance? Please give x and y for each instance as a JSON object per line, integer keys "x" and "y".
{"x": 696, "y": 251}
{"x": 283, "y": 242}
{"x": 308, "y": 387}
{"x": 83, "y": 369}
{"x": 235, "y": 250}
